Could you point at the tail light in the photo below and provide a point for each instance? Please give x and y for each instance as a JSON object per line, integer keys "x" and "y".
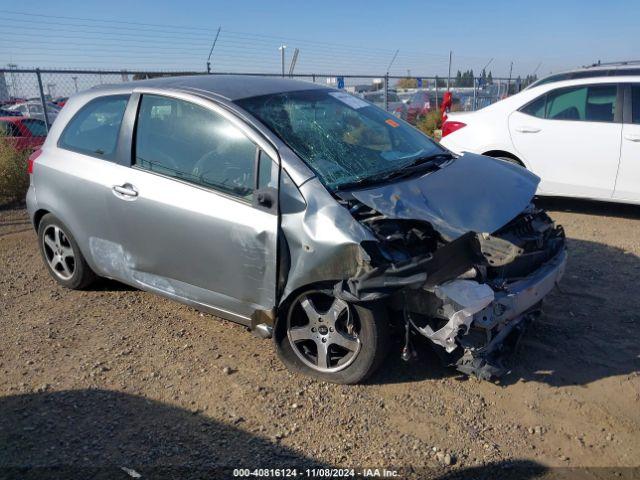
{"x": 451, "y": 126}
{"x": 32, "y": 159}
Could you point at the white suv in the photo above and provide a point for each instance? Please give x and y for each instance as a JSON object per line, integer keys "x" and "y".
{"x": 579, "y": 131}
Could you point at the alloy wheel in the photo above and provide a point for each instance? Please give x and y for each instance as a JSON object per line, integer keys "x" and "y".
{"x": 323, "y": 332}
{"x": 58, "y": 252}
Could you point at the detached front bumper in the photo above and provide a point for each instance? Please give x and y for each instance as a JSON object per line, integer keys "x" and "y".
{"x": 485, "y": 320}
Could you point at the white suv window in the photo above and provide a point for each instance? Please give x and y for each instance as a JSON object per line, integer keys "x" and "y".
{"x": 635, "y": 104}
{"x": 590, "y": 103}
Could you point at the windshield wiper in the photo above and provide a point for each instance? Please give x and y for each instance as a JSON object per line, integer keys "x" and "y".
{"x": 417, "y": 165}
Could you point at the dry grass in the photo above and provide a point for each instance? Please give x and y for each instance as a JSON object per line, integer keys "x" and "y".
{"x": 14, "y": 180}
{"x": 430, "y": 123}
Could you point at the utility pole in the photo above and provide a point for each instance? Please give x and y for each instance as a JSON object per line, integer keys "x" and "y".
{"x": 282, "y": 48}
{"x": 294, "y": 60}
{"x": 211, "y": 51}
{"x": 449, "y": 75}
{"x": 75, "y": 82}
{"x": 509, "y": 82}
{"x": 386, "y": 81}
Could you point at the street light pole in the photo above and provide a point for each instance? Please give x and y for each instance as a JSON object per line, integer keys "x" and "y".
{"x": 281, "y": 48}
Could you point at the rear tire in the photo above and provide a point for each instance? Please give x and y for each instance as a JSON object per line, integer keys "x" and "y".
{"x": 332, "y": 340}
{"x": 62, "y": 256}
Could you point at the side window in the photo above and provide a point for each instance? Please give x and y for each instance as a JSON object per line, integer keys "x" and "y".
{"x": 191, "y": 143}
{"x": 267, "y": 172}
{"x": 601, "y": 103}
{"x": 94, "y": 129}
{"x": 567, "y": 104}
{"x": 635, "y": 104}
{"x": 35, "y": 127}
{"x": 536, "y": 107}
{"x": 594, "y": 103}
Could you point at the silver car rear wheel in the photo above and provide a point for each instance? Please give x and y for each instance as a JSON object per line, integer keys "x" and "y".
{"x": 58, "y": 252}
{"x": 323, "y": 332}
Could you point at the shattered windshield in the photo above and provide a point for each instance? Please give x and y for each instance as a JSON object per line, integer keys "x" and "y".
{"x": 344, "y": 139}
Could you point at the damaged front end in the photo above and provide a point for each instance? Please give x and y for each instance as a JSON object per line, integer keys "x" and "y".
{"x": 470, "y": 294}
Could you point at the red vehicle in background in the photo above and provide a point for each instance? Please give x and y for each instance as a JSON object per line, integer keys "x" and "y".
{"x": 23, "y": 132}
{"x": 60, "y": 101}
{"x": 423, "y": 102}
{"x": 420, "y": 104}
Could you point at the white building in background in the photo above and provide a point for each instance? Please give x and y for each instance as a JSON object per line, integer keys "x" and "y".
{"x": 4, "y": 91}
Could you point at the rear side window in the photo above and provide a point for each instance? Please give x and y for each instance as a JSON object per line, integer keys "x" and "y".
{"x": 94, "y": 129}
{"x": 35, "y": 127}
{"x": 535, "y": 108}
{"x": 194, "y": 144}
{"x": 635, "y": 104}
{"x": 593, "y": 103}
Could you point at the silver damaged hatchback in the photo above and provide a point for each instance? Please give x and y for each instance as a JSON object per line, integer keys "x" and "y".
{"x": 306, "y": 214}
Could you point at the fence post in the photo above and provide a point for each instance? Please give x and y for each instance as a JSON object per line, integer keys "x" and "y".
{"x": 475, "y": 94}
{"x": 386, "y": 92}
{"x": 43, "y": 101}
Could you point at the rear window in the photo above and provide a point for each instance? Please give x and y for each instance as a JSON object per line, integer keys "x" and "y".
{"x": 35, "y": 127}
{"x": 94, "y": 129}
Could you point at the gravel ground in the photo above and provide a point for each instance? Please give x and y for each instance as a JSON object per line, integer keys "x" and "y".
{"x": 118, "y": 377}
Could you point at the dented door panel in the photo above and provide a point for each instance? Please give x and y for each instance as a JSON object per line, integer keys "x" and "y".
{"x": 197, "y": 244}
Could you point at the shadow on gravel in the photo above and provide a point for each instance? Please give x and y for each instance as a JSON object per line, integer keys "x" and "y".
{"x": 590, "y": 330}
{"x": 108, "y": 285}
{"x": 92, "y": 433}
{"x": 589, "y": 207}
{"x": 515, "y": 469}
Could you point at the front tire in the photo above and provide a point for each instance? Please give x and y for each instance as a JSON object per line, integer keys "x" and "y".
{"x": 62, "y": 256}
{"x": 330, "y": 339}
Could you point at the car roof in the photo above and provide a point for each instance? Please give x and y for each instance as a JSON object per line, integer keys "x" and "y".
{"x": 230, "y": 87}
{"x": 594, "y": 71}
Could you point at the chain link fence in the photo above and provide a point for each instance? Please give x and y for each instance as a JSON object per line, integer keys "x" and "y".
{"x": 40, "y": 93}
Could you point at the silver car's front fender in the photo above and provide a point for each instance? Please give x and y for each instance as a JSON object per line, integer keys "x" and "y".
{"x": 322, "y": 236}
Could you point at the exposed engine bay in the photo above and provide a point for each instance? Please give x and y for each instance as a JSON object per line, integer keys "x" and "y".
{"x": 459, "y": 255}
{"x": 472, "y": 297}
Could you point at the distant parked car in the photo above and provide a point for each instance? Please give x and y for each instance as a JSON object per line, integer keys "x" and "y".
{"x": 578, "y": 131}
{"x": 33, "y": 109}
{"x": 395, "y": 105}
{"x": 419, "y": 105}
{"x": 23, "y": 132}
{"x": 9, "y": 113}
{"x": 60, "y": 101}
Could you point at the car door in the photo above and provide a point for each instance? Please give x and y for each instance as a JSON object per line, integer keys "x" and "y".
{"x": 570, "y": 138}
{"x": 628, "y": 181}
{"x": 192, "y": 224}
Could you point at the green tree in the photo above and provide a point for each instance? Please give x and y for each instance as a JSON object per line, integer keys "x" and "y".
{"x": 407, "y": 83}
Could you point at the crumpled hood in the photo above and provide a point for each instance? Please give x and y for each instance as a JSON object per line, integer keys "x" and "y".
{"x": 472, "y": 193}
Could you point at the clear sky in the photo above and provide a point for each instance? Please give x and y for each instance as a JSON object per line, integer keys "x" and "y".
{"x": 333, "y": 36}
